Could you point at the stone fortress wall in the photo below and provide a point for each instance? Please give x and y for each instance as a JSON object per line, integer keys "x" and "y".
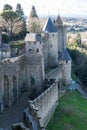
{"x": 42, "y": 107}
{"x": 27, "y": 72}
{"x": 45, "y": 104}
{"x": 15, "y": 77}
{"x": 52, "y": 51}
{"x": 35, "y": 64}
{"x": 66, "y": 72}
{"x": 11, "y": 80}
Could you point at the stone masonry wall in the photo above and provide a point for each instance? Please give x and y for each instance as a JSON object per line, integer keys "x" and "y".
{"x": 60, "y": 40}
{"x": 45, "y": 104}
{"x": 53, "y": 49}
{"x": 12, "y": 79}
{"x": 45, "y": 52}
{"x": 35, "y": 63}
{"x": 67, "y": 71}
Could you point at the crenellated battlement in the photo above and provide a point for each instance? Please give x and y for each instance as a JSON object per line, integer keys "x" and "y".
{"x": 42, "y": 107}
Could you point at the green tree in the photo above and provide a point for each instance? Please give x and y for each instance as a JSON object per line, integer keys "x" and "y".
{"x": 33, "y": 12}
{"x": 7, "y": 7}
{"x": 19, "y": 10}
{"x": 35, "y": 27}
{"x": 20, "y": 26}
{"x": 78, "y": 39}
{"x": 10, "y": 18}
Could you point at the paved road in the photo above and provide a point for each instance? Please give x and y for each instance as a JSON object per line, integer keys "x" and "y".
{"x": 76, "y": 86}
{"x": 14, "y": 114}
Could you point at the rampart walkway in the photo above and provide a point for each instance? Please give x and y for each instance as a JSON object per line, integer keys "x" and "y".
{"x": 54, "y": 73}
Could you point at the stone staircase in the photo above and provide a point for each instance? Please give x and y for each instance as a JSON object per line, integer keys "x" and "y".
{"x": 29, "y": 120}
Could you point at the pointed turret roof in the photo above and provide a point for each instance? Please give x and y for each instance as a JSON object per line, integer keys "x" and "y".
{"x": 59, "y": 20}
{"x": 65, "y": 56}
{"x": 49, "y": 26}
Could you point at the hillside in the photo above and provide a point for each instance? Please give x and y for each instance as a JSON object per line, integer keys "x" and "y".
{"x": 71, "y": 114}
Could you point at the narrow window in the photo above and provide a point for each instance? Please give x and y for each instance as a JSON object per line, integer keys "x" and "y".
{"x": 30, "y": 50}
{"x": 37, "y": 50}
{"x": 51, "y": 45}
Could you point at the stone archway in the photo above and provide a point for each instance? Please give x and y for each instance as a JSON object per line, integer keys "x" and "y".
{"x": 6, "y": 91}
{"x": 14, "y": 89}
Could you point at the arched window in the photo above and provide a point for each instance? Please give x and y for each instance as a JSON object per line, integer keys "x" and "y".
{"x": 51, "y": 46}
{"x": 30, "y": 50}
{"x": 6, "y": 91}
{"x": 37, "y": 50}
{"x": 14, "y": 89}
{"x": 32, "y": 81}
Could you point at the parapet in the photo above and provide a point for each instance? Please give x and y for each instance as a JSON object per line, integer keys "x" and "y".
{"x": 43, "y": 106}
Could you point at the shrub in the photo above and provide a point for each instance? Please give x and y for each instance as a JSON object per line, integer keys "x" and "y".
{"x": 5, "y": 38}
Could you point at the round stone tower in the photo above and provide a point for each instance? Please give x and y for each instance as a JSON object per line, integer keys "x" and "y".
{"x": 61, "y": 35}
{"x": 51, "y": 37}
{"x": 66, "y": 62}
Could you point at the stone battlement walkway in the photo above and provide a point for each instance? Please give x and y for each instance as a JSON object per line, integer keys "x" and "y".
{"x": 53, "y": 74}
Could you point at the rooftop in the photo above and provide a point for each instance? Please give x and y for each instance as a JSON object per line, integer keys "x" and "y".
{"x": 32, "y": 37}
{"x": 49, "y": 26}
{"x": 65, "y": 56}
{"x": 58, "y": 21}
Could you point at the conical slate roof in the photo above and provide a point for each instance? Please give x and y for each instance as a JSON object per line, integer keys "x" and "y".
{"x": 59, "y": 20}
{"x": 65, "y": 56}
{"x": 49, "y": 26}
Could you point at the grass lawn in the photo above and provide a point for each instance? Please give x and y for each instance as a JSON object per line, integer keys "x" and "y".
{"x": 71, "y": 114}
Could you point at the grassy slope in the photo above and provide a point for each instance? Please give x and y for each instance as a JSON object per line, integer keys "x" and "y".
{"x": 71, "y": 114}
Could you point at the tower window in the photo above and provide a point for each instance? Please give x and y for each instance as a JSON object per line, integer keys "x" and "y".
{"x": 51, "y": 46}
{"x": 46, "y": 35}
{"x": 30, "y": 49}
{"x": 66, "y": 61}
{"x": 53, "y": 35}
{"x": 37, "y": 50}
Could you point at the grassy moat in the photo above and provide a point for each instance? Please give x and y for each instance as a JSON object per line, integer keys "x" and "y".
{"x": 71, "y": 114}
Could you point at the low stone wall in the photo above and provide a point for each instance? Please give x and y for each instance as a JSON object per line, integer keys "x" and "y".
{"x": 43, "y": 106}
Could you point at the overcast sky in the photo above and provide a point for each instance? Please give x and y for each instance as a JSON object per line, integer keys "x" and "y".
{"x": 51, "y": 7}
